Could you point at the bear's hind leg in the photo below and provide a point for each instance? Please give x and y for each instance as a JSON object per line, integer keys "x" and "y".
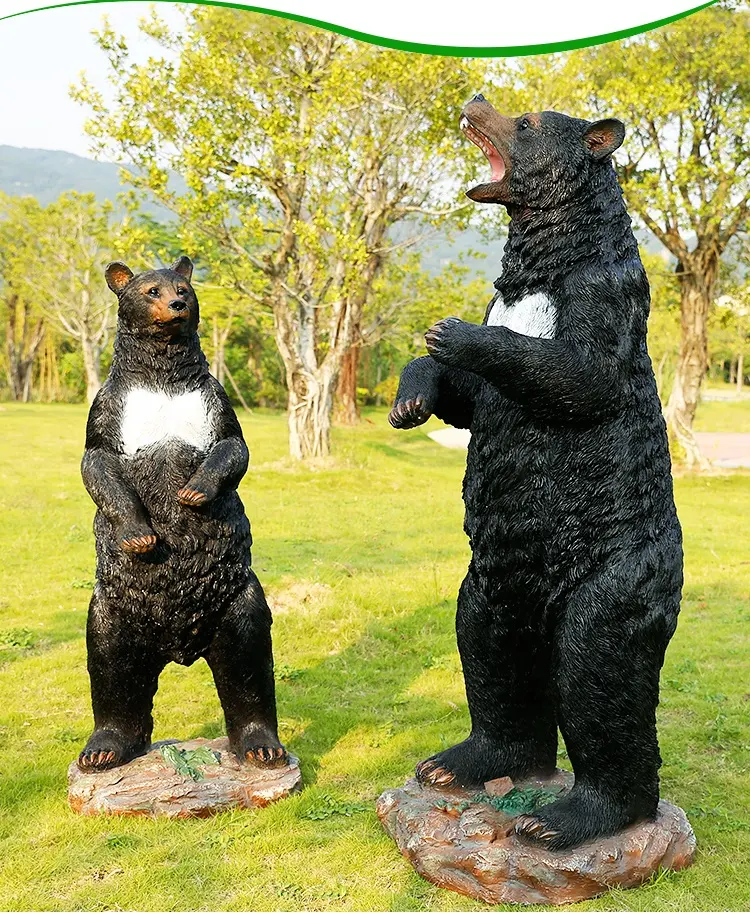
{"x": 506, "y": 660}
{"x": 124, "y": 673}
{"x": 609, "y": 650}
{"x": 241, "y": 660}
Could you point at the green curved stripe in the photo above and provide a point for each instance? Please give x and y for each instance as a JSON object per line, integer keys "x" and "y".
{"x": 414, "y": 46}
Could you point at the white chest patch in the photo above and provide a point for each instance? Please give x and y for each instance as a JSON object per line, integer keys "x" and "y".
{"x": 151, "y": 416}
{"x": 534, "y": 315}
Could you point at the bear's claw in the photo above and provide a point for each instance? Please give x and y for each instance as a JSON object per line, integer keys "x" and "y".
{"x": 441, "y": 336}
{"x": 430, "y": 774}
{"x": 192, "y": 497}
{"x": 409, "y": 413}
{"x": 267, "y": 756}
{"x": 533, "y": 829}
{"x": 93, "y": 760}
{"x": 138, "y": 545}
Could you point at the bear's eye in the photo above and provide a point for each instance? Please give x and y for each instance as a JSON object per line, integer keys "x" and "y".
{"x": 154, "y": 292}
{"x": 524, "y": 125}
{"x": 182, "y": 291}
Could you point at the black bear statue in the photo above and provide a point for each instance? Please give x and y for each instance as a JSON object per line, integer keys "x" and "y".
{"x": 575, "y": 579}
{"x": 164, "y": 456}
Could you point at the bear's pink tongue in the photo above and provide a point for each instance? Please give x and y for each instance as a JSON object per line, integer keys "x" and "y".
{"x": 498, "y": 166}
{"x": 493, "y": 156}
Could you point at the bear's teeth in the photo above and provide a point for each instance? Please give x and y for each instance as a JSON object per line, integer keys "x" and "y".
{"x": 464, "y": 122}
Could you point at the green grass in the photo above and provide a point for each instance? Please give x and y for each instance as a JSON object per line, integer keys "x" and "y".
{"x": 723, "y": 415}
{"x": 362, "y": 561}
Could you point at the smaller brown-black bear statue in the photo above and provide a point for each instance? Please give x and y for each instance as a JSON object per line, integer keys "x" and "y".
{"x": 164, "y": 456}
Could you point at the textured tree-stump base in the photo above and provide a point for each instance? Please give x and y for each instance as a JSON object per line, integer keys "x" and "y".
{"x": 461, "y": 843}
{"x": 150, "y": 786}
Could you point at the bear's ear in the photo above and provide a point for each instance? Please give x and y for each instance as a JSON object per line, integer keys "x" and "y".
{"x": 183, "y": 266}
{"x": 603, "y": 137}
{"x": 118, "y": 275}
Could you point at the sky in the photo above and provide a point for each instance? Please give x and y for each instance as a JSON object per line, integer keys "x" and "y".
{"x": 41, "y": 55}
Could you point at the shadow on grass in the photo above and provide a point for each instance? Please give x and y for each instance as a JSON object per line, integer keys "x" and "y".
{"x": 418, "y": 452}
{"x": 364, "y": 686}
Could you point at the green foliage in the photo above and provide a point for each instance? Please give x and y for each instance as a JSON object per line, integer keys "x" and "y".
{"x": 83, "y": 583}
{"x": 17, "y": 638}
{"x": 687, "y": 167}
{"x": 63, "y": 248}
{"x": 729, "y": 323}
{"x": 519, "y": 800}
{"x": 285, "y": 673}
{"x": 663, "y": 321}
{"x": 325, "y": 805}
{"x": 406, "y": 301}
{"x": 386, "y": 390}
{"x": 186, "y": 761}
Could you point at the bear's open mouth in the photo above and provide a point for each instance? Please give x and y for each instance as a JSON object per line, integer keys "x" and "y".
{"x": 497, "y": 163}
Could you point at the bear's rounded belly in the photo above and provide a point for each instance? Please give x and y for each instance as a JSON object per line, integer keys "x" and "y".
{"x": 201, "y": 562}
{"x": 157, "y": 472}
{"x": 177, "y": 593}
{"x": 546, "y": 504}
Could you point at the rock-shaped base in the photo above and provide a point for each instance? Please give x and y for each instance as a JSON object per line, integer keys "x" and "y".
{"x": 459, "y": 840}
{"x": 150, "y": 786}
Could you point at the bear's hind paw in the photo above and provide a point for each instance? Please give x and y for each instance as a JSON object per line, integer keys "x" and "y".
{"x": 98, "y": 759}
{"x": 533, "y": 829}
{"x": 582, "y": 815}
{"x": 267, "y": 756}
{"x": 431, "y": 774}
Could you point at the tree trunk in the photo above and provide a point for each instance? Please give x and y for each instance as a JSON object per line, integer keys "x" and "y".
{"x": 346, "y": 409}
{"x": 220, "y": 337}
{"x": 309, "y": 414}
{"x": 697, "y": 281}
{"x": 92, "y": 367}
{"x": 740, "y": 371}
{"x": 22, "y": 343}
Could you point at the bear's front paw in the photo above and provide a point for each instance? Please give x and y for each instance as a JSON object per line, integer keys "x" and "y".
{"x": 446, "y": 340}
{"x": 194, "y": 496}
{"x": 136, "y": 539}
{"x": 411, "y": 412}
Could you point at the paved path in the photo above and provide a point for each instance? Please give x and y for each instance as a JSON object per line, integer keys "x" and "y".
{"x": 451, "y": 437}
{"x": 724, "y": 449}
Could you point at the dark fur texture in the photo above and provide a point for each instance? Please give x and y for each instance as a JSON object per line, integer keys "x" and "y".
{"x": 174, "y": 581}
{"x": 574, "y": 585}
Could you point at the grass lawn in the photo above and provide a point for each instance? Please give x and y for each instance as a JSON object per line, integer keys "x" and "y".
{"x": 362, "y": 561}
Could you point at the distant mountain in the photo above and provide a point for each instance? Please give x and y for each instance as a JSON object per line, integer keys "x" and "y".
{"x": 46, "y": 173}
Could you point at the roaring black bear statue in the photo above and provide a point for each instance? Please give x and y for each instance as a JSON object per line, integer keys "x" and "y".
{"x": 574, "y": 585}
{"x": 164, "y": 456}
